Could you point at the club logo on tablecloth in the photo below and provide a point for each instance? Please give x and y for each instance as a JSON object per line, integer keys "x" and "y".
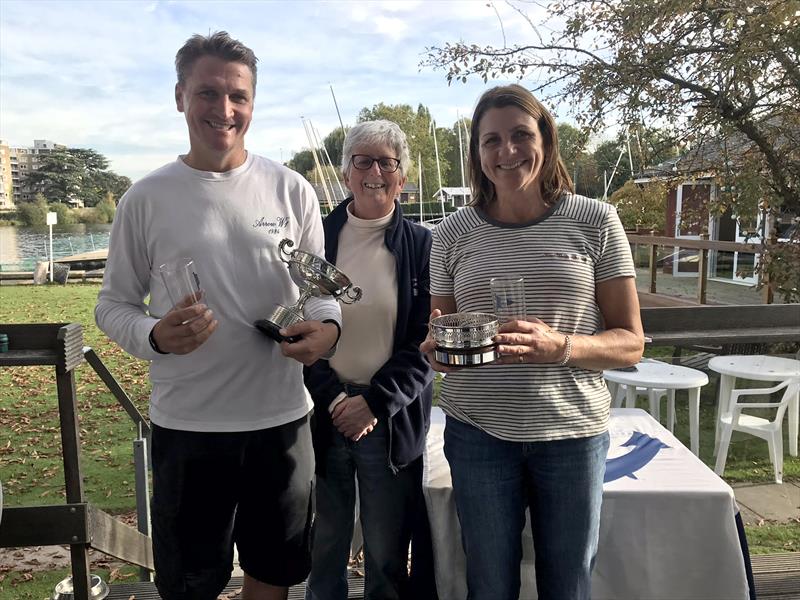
{"x": 644, "y": 450}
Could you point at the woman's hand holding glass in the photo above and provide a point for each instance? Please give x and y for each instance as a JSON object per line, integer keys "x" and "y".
{"x": 529, "y": 341}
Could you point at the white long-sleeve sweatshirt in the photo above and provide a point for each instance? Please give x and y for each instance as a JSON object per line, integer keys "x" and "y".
{"x": 230, "y": 224}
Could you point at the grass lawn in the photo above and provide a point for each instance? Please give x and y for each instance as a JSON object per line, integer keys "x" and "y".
{"x": 39, "y": 585}
{"x": 30, "y": 443}
{"x": 748, "y": 457}
{"x": 30, "y": 446}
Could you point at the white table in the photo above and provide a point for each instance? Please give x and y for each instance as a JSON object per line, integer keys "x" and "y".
{"x": 659, "y": 375}
{"x": 669, "y": 533}
{"x": 756, "y": 368}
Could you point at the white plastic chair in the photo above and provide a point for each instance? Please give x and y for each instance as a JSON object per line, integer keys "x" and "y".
{"x": 653, "y": 396}
{"x": 769, "y": 430}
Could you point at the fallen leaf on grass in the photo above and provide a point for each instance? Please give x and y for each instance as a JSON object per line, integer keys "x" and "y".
{"x": 22, "y": 578}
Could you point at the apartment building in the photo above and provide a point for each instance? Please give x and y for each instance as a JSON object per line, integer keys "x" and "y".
{"x": 6, "y": 186}
{"x": 15, "y": 164}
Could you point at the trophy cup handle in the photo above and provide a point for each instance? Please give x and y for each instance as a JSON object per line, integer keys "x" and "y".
{"x": 351, "y": 295}
{"x": 282, "y": 251}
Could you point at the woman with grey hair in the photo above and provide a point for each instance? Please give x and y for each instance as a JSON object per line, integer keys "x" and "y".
{"x": 373, "y": 398}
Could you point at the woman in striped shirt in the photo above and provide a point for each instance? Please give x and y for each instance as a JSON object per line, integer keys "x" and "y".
{"x": 530, "y": 430}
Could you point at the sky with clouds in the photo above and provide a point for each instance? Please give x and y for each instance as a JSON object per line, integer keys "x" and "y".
{"x": 100, "y": 74}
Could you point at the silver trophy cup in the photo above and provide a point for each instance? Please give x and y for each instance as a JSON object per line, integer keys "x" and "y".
{"x": 315, "y": 277}
{"x": 465, "y": 339}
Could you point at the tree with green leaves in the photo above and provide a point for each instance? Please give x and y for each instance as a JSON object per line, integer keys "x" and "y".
{"x": 33, "y": 213}
{"x": 418, "y": 130}
{"x": 106, "y": 209}
{"x": 580, "y": 163}
{"x": 302, "y": 162}
{"x": 451, "y": 157}
{"x": 641, "y": 206}
{"x": 610, "y": 161}
{"x": 333, "y": 143}
{"x": 64, "y": 214}
{"x": 76, "y": 173}
{"x": 705, "y": 70}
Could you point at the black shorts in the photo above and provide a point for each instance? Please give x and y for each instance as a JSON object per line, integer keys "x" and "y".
{"x": 210, "y": 490}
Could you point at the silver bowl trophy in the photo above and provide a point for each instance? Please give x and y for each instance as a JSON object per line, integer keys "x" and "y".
{"x": 315, "y": 277}
{"x": 465, "y": 339}
{"x": 64, "y": 590}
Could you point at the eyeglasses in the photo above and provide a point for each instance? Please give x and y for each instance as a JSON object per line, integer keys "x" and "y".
{"x": 362, "y": 162}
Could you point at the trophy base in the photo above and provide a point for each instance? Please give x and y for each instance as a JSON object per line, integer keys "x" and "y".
{"x": 466, "y": 357}
{"x": 280, "y": 318}
{"x": 272, "y": 331}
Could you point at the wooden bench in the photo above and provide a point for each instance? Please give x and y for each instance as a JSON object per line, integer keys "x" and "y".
{"x": 707, "y": 326}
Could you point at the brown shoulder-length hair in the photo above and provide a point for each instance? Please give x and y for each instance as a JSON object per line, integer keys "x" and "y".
{"x": 554, "y": 177}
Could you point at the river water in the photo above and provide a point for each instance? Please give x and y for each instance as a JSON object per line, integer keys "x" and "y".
{"x": 22, "y": 247}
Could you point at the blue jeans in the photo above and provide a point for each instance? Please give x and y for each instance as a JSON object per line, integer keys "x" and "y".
{"x": 495, "y": 480}
{"x": 387, "y": 500}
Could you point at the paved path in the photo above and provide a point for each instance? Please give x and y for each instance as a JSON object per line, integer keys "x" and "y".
{"x": 717, "y": 292}
{"x": 768, "y": 501}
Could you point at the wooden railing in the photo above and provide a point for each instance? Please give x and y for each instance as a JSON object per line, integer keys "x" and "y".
{"x": 77, "y": 523}
{"x": 690, "y": 326}
{"x": 703, "y": 247}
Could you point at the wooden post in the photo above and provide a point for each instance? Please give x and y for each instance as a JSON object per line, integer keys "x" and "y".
{"x": 653, "y": 268}
{"x": 767, "y": 294}
{"x": 141, "y": 459}
{"x": 70, "y": 450}
{"x": 703, "y": 283}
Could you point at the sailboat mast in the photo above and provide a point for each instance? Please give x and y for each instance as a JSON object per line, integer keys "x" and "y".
{"x": 419, "y": 162}
{"x": 336, "y": 105}
{"x": 320, "y": 144}
{"x": 438, "y": 166}
{"x": 316, "y": 162}
{"x": 324, "y": 174}
{"x": 460, "y": 150}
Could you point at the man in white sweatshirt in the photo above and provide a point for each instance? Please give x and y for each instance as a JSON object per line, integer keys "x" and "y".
{"x": 231, "y": 447}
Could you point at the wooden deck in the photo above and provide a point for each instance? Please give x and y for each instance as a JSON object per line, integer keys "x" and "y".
{"x": 649, "y": 300}
{"x": 777, "y": 577}
{"x": 147, "y": 591}
{"x": 91, "y": 256}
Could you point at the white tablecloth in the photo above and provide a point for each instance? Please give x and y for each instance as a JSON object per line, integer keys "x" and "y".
{"x": 666, "y": 532}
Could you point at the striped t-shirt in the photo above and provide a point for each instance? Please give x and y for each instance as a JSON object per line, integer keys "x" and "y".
{"x": 561, "y": 255}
